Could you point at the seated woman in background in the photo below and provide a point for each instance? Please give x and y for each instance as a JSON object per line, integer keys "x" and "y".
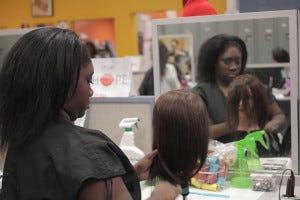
{"x": 247, "y": 111}
{"x": 180, "y": 128}
{"x": 168, "y": 75}
{"x": 180, "y": 75}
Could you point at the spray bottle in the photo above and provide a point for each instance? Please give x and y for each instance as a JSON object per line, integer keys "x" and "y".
{"x": 127, "y": 145}
{"x": 241, "y": 174}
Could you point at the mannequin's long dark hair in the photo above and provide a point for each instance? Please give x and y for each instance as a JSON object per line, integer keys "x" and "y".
{"x": 180, "y": 126}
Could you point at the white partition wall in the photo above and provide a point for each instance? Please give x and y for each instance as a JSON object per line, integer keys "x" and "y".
{"x": 105, "y": 114}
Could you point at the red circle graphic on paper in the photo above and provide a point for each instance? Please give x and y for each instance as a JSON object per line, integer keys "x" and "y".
{"x": 107, "y": 79}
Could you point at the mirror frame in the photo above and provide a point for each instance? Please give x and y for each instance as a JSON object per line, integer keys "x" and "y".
{"x": 294, "y": 46}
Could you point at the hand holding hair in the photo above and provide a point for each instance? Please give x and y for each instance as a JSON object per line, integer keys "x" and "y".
{"x": 142, "y": 168}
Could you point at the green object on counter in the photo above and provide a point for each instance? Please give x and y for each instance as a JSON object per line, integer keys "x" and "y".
{"x": 252, "y": 154}
{"x": 241, "y": 173}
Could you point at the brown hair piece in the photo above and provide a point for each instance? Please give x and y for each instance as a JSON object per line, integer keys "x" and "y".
{"x": 180, "y": 126}
{"x": 242, "y": 88}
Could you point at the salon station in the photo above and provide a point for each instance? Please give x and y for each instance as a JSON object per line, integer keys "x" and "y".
{"x": 117, "y": 97}
{"x": 261, "y": 32}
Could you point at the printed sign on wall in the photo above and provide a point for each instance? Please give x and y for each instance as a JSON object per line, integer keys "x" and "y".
{"x": 112, "y": 77}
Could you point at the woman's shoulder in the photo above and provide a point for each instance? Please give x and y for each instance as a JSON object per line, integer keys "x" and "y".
{"x": 64, "y": 132}
{"x": 61, "y": 129}
{"x": 204, "y": 87}
{"x": 86, "y": 147}
{"x": 71, "y": 155}
{"x": 61, "y": 139}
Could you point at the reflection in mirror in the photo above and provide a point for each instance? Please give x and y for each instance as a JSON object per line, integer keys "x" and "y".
{"x": 262, "y": 33}
{"x": 260, "y": 36}
{"x": 180, "y": 53}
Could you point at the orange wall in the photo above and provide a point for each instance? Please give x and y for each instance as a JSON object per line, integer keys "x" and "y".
{"x": 220, "y": 5}
{"x": 13, "y": 13}
{"x": 99, "y": 30}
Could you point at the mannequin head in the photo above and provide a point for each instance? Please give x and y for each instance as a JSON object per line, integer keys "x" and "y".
{"x": 247, "y": 96}
{"x": 180, "y": 126}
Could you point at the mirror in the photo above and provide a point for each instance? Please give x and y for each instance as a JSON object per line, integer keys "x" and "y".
{"x": 262, "y": 32}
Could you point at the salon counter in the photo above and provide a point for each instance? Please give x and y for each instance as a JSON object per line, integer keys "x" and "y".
{"x": 196, "y": 194}
{"x": 230, "y": 193}
{"x": 235, "y": 193}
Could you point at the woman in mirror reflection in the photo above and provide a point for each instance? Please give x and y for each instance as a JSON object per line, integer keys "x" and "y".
{"x": 221, "y": 59}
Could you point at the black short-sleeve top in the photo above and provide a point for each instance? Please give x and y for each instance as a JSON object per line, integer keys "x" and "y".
{"x": 214, "y": 100}
{"x": 55, "y": 164}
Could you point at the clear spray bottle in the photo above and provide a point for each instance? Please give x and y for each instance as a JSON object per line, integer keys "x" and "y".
{"x": 127, "y": 144}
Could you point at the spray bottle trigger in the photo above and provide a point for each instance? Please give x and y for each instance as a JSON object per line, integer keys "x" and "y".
{"x": 252, "y": 151}
{"x": 258, "y": 136}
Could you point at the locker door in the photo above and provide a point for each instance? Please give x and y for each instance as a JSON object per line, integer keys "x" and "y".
{"x": 265, "y": 40}
{"x": 246, "y": 33}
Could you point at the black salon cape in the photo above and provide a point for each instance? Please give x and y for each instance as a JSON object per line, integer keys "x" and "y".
{"x": 56, "y": 163}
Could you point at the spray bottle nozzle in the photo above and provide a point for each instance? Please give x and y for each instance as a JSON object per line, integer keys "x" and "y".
{"x": 249, "y": 142}
{"x": 251, "y": 139}
{"x": 127, "y": 123}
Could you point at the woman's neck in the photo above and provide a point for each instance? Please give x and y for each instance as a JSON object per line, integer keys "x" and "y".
{"x": 65, "y": 115}
{"x": 245, "y": 124}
